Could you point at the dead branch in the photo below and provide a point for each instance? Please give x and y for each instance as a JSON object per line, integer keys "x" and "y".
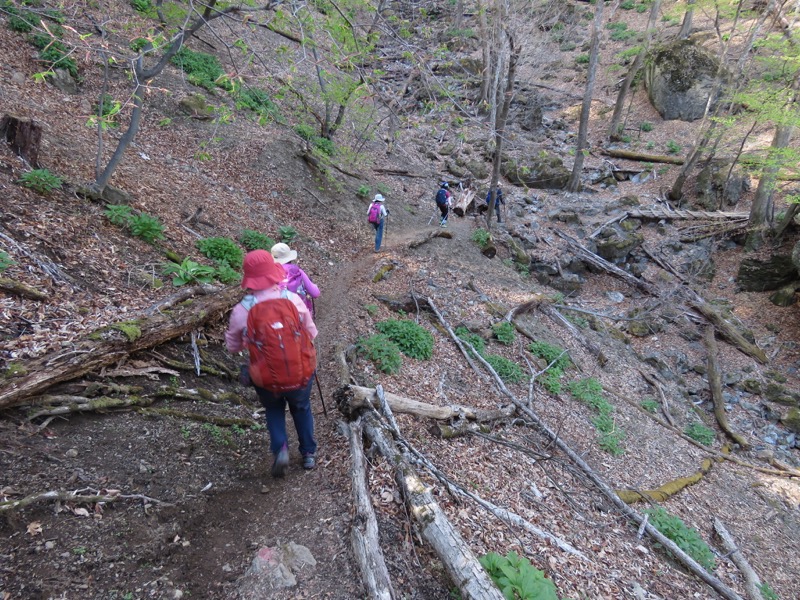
{"x": 669, "y": 489}
{"x": 199, "y": 417}
{"x": 23, "y": 290}
{"x": 434, "y": 234}
{"x": 180, "y": 296}
{"x": 364, "y": 530}
{"x": 182, "y": 366}
{"x": 64, "y": 405}
{"x": 715, "y": 384}
{"x": 63, "y": 496}
{"x": 665, "y": 408}
{"x": 751, "y": 581}
{"x": 110, "y": 344}
{"x": 400, "y": 172}
{"x": 639, "y": 156}
{"x": 457, "y": 340}
{"x": 459, "y": 561}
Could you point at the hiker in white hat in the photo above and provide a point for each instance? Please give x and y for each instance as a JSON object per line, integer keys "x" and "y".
{"x": 376, "y": 215}
{"x": 296, "y": 279}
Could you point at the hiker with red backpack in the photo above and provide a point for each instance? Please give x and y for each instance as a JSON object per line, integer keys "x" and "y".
{"x": 376, "y": 216}
{"x": 296, "y": 279}
{"x": 277, "y": 329}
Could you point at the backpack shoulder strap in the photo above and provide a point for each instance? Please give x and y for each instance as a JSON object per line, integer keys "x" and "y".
{"x": 249, "y": 302}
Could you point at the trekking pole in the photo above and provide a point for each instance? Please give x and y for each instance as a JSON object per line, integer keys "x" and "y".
{"x": 319, "y": 389}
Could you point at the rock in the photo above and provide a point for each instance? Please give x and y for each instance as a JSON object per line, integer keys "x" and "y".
{"x": 697, "y": 260}
{"x": 71, "y": 453}
{"x": 544, "y": 172}
{"x": 454, "y": 169}
{"x": 62, "y": 80}
{"x": 715, "y": 189}
{"x": 775, "y": 392}
{"x": 785, "y": 296}
{"x": 18, "y": 78}
{"x": 274, "y": 568}
{"x": 680, "y": 77}
{"x": 615, "y": 297}
{"x": 614, "y": 244}
{"x": 478, "y": 169}
{"x": 760, "y": 276}
{"x": 791, "y": 420}
{"x": 530, "y": 115}
{"x": 196, "y": 106}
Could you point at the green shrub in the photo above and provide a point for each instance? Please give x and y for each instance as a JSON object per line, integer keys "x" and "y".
{"x": 5, "y": 261}
{"x": 255, "y": 240}
{"x": 767, "y": 592}
{"x": 324, "y": 145}
{"x": 620, "y": 31}
{"x": 41, "y": 181}
{"x": 517, "y": 578}
{"x": 473, "y": 338}
{"x": 222, "y": 250}
{"x": 582, "y": 59}
{"x": 305, "y": 131}
{"x": 551, "y": 353}
{"x": 146, "y": 227}
{"x": 227, "y": 274}
{"x": 106, "y": 110}
{"x": 412, "y": 339}
{"x": 287, "y": 233}
{"x": 481, "y": 237}
{"x": 551, "y": 381}
{"x": 504, "y": 332}
{"x": 590, "y": 392}
{"x": 383, "y": 352}
{"x": 628, "y": 5}
{"x": 201, "y": 69}
{"x": 54, "y": 53}
{"x": 686, "y": 538}
{"x": 508, "y": 370}
{"x": 646, "y": 126}
{"x": 119, "y": 214}
{"x": 372, "y": 309}
{"x": 700, "y": 433}
{"x": 363, "y": 191}
{"x": 189, "y": 272}
{"x": 142, "y": 6}
{"x": 20, "y": 24}
{"x": 138, "y": 44}
{"x": 673, "y": 147}
{"x": 260, "y": 103}
{"x": 649, "y": 405}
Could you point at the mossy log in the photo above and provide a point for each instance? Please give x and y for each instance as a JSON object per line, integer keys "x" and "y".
{"x": 383, "y": 272}
{"x": 64, "y": 405}
{"x": 639, "y": 156}
{"x": 715, "y": 384}
{"x": 666, "y": 491}
{"x": 182, "y": 366}
{"x": 199, "y": 395}
{"x": 433, "y": 234}
{"x": 200, "y": 417}
{"x": 107, "y": 346}
{"x": 23, "y": 290}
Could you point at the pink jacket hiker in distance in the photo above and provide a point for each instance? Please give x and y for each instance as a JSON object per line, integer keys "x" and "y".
{"x": 296, "y": 279}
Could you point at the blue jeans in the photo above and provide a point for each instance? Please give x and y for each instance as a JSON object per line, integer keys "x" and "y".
{"x": 378, "y": 234}
{"x": 299, "y": 402}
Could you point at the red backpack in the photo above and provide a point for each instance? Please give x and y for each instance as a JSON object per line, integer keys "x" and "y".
{"x": 374, "y": 215}
{"x": 282, "y": 354}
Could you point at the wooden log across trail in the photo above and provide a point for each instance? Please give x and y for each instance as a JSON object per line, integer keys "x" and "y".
{"x": 658, "y": 212}
{"x": 108, "y": 345}
{"x": 638, "y": 156}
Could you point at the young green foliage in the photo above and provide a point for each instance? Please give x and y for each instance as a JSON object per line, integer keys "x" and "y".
{"x": 5, "y": 261}
{"x": 517, "y": 578}
{"x": 474, "y": 339}
{"x": 700, "y": 433}
{"x": 481, "y": 237}
{"x": 41, "y": 181}
{"x": 189, "y": 272}
{"x": 119, "y": 214}
{"x": 260, "y": 103}
{"x": 412, "y": 339}
{"x": 255, "y": 240}
{"x": 222, "y": 250}
{"x": 686, "y": 538}
{"x": 287, "y": 233}
{"x": 146, "y": 227}
{"x": 201, "y": 69}
{"x": 504, "y": 332}
{"x": 508, "y": 370}
{"x": 590, "y": 392}
{"x": 381, "y": 350}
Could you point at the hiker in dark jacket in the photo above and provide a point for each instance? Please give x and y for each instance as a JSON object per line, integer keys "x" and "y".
{"x": 498, "y": 200}
{"x": 443, "y": 202}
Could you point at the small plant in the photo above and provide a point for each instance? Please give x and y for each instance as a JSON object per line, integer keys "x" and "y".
{"x": 138, "y": 44}
{"x": 226, "y": 274}
{"x": 508, "y": 370}
{"x": 383, "y": 352}
{"x": 620, "y": 31}
{"x": 106, "y": 111}
{"x": 260, "y": 103}
{"x": 217, "y": 434}
{"x": 255, "y": 240}
{"x": 165, "y": 122}
{"x": 202, "y": 70}
{"x": 590, "y": 392}
{"x": 700, "y": 433}
{"x": 222, "y": 250}
{"x": 363, "y": 191}
{"x": 505, "y": 333}
{"x": 185, "y": 432}
{"x": 79, "y": 550}
{"x": 517, "y": 578}
{"x": 189, "y": 272}
{"x": 551, "y": 353}
{"x": 649, "y": 405}
{"x": 686, "y": 538}
{"x": 56, "y": 55}
{"x": 650, "y": 145}
{"x": 147, "y": 227}
{"x": 582, "y": 59}
{"x": 41, "y": 181}
{"x": 5, "y": 261}
{"x": 142, "y": 6}
{"x": 287, "y": 233}
{"x": 304, "y": 131}
{"x": 412, "y": 339}
{"x": 646, "y": 126}
{"x": 19, "y": 23}
{"x": 383, "y": 189}
{"x": 767, "y": 592}
{"x": 324, "y": 145}
{"x": 628, "y": 5}
{"x": 474, "y": 339}
{"x": 481, "y": 237}
{"x": 372, "y": 309}
{"x": 673, "y": 147}
{"x": 119, "y": 214}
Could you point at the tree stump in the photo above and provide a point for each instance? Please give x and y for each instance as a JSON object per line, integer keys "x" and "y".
{"x": 23, "y": 136}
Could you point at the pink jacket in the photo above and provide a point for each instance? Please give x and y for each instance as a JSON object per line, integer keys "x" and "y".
{"x": 234, "y": 336}
{"x": 298, "y": 282}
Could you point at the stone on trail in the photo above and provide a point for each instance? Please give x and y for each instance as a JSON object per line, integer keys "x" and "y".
{"x": 273, "y": 569}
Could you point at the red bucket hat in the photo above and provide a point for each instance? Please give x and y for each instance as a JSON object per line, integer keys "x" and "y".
{"x": 261, "y": 271}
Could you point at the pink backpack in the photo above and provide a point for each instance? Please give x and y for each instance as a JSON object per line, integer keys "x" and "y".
{"x": 374, "y": 215}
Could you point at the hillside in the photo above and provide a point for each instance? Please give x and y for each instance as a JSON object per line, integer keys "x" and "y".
{"x": 171, "y": 463}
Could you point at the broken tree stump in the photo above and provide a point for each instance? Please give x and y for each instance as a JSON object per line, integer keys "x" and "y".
{"x": 461, "y": 206}
{"x": 23, "y": 136}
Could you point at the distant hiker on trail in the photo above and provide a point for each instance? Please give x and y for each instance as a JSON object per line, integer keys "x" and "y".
{"x": 376, "y": 215}
{"x": 498, "y": 200}
{"x": 443, "y": 201}
{"x": 296, "y": 279}
{"x": 274, "y": 325}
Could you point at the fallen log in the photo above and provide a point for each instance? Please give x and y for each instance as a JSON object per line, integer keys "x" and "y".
{"x": 715, "y": 384}
{"x": 641, "y": 157}
{"x": 434, "y": 234}
{"x": 353, "y": 397}
{"x": 669, "y": 489}
{"x": 364, "y": 531}
{"x": 658, "y": 213}
{"x": 23, "y": 290}
{"x": 459, "y": 561}
{"x": 752, "y": 583}
{"x": 110, "y": 344}
{"x": 461, "y": 206}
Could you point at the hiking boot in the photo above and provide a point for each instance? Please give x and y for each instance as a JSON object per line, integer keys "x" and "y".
{"x": 281, "y": 465}
{"x": 444, "y": 224}
{"x": 309, "y": 462}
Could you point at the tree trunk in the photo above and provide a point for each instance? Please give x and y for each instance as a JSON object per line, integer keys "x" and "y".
{"x": 23, "y": 136}
{"x": 761, "y": 213}
{"x": 486, "y": 52}
{"x": 676, "y": 191}
{"x": 715, "y": 385}
{"x": 616, "y": 117}
{"x": 574, "y": 183}
{"x": 110, "y": 344}
{"x": 686, "y": 26}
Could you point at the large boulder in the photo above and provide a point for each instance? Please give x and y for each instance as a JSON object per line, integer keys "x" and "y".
{"x": 766, "y": 275}
{"x": 716, "y": 188}
{"x": 545, "y": 171}
{"x": 680, "y": 78}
